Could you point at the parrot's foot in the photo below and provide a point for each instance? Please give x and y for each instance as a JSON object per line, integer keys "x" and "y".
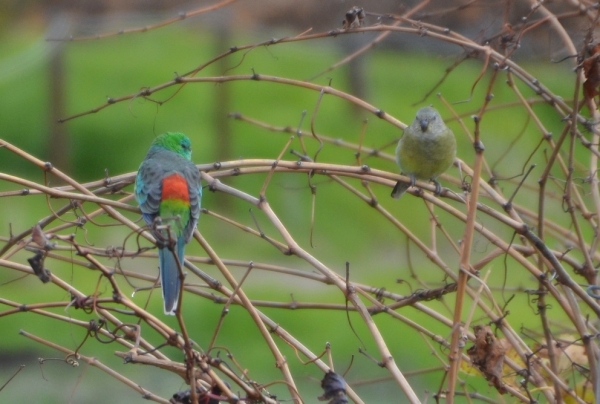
{"x": 164, "y": 241}
{"x": 162, "y": 244}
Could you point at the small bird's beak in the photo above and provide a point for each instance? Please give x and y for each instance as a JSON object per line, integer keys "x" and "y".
{"x": 424, "y": 123}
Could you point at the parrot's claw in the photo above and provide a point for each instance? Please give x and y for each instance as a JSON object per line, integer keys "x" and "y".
{"x": 162, "y": 244}
{"x": 164, "y": 241}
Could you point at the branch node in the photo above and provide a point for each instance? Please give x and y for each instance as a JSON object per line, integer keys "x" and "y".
{"x": 479, "y": 147}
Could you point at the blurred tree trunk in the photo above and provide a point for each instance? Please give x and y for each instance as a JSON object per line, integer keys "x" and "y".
{"x": 222, "y": 105}
{"x": 59, "y": 147}
{"x": 356, "y": 70}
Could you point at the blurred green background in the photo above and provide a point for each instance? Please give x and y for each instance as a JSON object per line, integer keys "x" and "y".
{"x": 42, "y": 80}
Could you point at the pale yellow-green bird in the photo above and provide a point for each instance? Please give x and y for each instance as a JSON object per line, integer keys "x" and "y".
{"x": 425, "y": 151}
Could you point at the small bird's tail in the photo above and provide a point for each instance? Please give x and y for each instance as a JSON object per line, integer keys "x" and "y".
{"x": 169, "y": 275}
{"x": 399, "y": 189}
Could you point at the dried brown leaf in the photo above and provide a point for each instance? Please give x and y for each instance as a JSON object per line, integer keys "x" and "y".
{"x": 591, "y": 70}
{"x": 487, "y": 354}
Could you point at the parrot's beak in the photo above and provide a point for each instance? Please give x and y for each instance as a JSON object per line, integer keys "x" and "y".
{"x": 424, "y": 123}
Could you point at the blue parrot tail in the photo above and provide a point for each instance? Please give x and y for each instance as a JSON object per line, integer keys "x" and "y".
{"x": 169, "y": 275}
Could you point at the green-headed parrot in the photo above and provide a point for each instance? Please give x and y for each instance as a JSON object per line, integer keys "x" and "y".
{"x": 168, "y": 186}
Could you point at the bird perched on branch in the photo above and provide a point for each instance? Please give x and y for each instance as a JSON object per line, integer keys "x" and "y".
{"x": 167, "y": 188}
{"x": 425, "y": 151}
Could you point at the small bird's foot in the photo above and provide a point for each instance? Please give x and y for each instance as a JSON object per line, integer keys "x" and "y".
{"x": 413, "y": 180}
{"x": 438, "y": 188}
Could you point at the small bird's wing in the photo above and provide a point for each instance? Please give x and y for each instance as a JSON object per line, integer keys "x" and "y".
{"x": 148, "y": 189}
{"x": 192, "y": 176}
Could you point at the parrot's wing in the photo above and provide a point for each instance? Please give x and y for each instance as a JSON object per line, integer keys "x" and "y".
{"x": 192, "y": 176}
{"x": 148, "y": 189}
